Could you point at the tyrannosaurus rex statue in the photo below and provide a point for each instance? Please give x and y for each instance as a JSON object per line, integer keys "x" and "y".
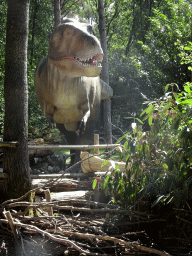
{"x": 67, "y": 81}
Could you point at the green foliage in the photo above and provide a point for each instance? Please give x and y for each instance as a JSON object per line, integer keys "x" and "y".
{"x": 142, "y": 52}
{"x": 40, "y": 26}
{"x": 143, "y": 55}
{"x": 158, "y": 161}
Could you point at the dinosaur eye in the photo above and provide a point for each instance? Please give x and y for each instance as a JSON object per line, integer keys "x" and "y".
{"x": 68, "y": 32}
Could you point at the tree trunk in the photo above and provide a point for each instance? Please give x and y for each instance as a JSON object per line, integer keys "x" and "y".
{"x": 34, "y": 18}
{"x": 57, "y": 12}
{"x": 16, "y": 163}
{"x": 105, "y": 73}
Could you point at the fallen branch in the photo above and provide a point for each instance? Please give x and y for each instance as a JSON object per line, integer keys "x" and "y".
{"x": 113, "y": 239}
{"x": 67, "y": 242}
{"x": 71, "y": 208}
{"x": 60, "y": 240}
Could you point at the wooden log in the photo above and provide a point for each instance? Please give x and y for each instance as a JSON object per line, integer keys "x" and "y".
{"x": 12, "y": 144}
{"x": 63, "y": 185}
{"x": 68, "y": 175}
{"x": 79, "y": 147}
{"x": 77, "y": 195}
{"x": 94, "y": 163}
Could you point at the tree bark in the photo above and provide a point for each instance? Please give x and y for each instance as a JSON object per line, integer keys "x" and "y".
{"x": 34, "y": 18}
{"x": 57, "y": 12}
{"x": 16, "y": 163}
{"x": 105, "y": 73}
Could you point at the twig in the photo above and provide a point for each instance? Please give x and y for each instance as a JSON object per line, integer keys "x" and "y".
{"x": 60, "y": 240}
{"x": 113, "y": 239}
{"x": 9, "y": 218}
{"x": 72, "y": 208}
{"x": 94, "y": 229}
{"x": 183, "y": 220}
{"x": 87, "y": 202}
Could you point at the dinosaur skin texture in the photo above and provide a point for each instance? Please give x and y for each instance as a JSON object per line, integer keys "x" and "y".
{"x": 67, "y": 82}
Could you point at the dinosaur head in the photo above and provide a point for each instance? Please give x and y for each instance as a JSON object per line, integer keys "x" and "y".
{"x": 75, "y": 49}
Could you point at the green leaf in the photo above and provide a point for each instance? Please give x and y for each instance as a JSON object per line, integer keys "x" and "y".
{"x": 94, "y": 184}
{"x": 139, "y": 120}
{"x": 187, "y": 89}
{"x": 128, "y": 117}
{"x": 150, "y": 120}
{"x": 188, "y": 48}
{"x": 166, "y": 87}
{"x": 134, "y": 118}
{"x": 147, "y": 110}
{"x": 107, "y": 179}
{"x": 104, "y": 163}
{"x": 167, "y": 106}
{"x": 140, "y": 42}
{"x": 188, "y": 102}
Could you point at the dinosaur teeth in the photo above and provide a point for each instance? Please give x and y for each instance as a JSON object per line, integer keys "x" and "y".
{"x": 88, "y": 62}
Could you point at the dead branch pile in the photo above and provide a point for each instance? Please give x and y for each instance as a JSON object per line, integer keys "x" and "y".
{"x": 83, "y": 227}
{"x": 83, "y": 231}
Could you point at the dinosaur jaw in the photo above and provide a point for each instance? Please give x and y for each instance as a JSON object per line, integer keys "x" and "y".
{"x": 90, "y": 61}
{"x": 85, "y": 62}
{"x": 75, "y": 66}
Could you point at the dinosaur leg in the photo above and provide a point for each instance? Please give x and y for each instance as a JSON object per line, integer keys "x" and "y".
{"x": 72, "y": 138}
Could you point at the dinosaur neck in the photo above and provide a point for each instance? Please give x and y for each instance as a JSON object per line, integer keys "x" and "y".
{"x": 59, "y": 78}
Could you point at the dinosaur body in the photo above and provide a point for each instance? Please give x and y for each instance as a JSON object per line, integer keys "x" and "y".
{"x": 67, "y": 81}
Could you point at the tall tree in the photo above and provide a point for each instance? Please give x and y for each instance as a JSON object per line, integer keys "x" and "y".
{"x": 57, "y": 12}
{"x": 15, "y": 162}
{"x": 105, "y": 73}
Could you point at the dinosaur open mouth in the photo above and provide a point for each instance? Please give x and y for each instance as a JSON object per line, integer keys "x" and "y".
{"x": 93, "y": 61}
{"x": 90, "y": 61}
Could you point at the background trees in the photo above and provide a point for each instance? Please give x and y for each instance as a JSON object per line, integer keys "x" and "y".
{"x": 142, "y": 53}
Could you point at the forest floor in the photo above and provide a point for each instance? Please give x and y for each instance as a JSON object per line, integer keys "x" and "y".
{"x": 80, "y": 226}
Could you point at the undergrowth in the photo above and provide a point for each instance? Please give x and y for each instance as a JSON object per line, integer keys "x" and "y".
{"x": 158, "y": 161}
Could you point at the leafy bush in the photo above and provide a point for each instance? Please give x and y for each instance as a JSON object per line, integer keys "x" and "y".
{"x": 158, "y": 161}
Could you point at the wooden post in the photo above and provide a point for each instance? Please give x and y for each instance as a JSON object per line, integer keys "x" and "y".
{"x": 48, "y": 199}
{"x": 10, "y": 220}
{"x": 96, "y": 142}
{"x": 96, "y": 151}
